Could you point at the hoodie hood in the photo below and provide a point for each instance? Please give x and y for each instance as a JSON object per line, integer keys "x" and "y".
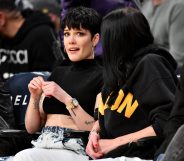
{"x": 158, "y": 50}
{"x": 32, "y": 19}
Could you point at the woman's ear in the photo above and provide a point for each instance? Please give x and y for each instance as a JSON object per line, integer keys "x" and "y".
{"x": 95, "y": 39}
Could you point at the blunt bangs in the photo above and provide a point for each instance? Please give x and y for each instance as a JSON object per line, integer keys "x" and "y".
{"x": 82, "y": 17}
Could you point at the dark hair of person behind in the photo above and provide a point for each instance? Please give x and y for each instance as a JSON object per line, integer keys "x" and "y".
{"x": 84, "y": 17}
{"x": 124, "y": 32}
{"x": 8, "y": 5}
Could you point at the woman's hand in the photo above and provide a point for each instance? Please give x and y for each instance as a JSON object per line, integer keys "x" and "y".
{"x": 35, "y": 87}
{"x": 97, "y": 147}
{"x": 51, "y": 88}
{"x": 92, "y": 148}
{"x": 107, "y": 145}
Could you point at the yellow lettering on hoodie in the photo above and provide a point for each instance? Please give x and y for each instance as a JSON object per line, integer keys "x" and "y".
{"x": 118, "y": 100}
{"x": 130, "y": 107}
{"x": 102, "y": 108}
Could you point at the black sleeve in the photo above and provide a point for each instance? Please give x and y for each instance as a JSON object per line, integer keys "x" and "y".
{"x": 158, "y": 86}
{"x": 160, "y": 98}
{"x": 176, "y": 118}
{"x": 177, "y": 114}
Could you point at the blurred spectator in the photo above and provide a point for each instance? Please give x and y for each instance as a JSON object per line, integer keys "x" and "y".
{"x": 102, "y": 7}
{"x": 53, "y": 10}
{"x": 24, "y": 4}
{"x": 166, "y": 22}
{"x": 26, "y": 40}
{"x": 50, "y": 7}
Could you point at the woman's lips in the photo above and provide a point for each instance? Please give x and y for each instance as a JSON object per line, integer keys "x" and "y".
{"x": 73, "y": 50}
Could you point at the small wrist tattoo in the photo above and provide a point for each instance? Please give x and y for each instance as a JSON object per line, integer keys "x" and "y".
{"x": 89, "y": 122}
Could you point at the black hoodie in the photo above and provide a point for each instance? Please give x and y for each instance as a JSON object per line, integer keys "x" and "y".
{"x": 31, "y": 48}
{"x": 145, "y": 99}
{"x": 176, "y": 118}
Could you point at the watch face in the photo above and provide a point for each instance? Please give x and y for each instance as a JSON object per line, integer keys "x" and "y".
{"x": 75, "y": 102}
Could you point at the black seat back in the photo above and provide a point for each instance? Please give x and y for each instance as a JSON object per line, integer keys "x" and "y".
{"x": 18, "y": 87}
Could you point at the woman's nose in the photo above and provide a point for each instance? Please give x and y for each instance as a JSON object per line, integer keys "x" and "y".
{"x": 72, "y": 39}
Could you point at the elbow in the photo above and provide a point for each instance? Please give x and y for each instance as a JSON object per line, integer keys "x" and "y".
{"x": 31, "y": 129}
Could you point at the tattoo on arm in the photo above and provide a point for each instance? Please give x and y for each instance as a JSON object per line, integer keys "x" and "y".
{"x": 89, "y": 122}
{"x": 36, "y": 104}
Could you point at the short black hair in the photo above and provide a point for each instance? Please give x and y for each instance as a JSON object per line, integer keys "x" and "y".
{"x": 8, "y": 5}
{"x": 84, "y": 17}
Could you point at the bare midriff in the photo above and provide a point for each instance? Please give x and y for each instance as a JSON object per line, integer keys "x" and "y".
{"x": 64, "y": 121}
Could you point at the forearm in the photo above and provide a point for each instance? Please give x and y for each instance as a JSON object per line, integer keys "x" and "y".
{"x": 32, "y": 117}
{"x": 82, "y": 119}
{"x": 133, "y": 137}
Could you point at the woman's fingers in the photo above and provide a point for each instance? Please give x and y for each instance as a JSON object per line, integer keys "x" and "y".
{"x": 36, "y": 82}
{"x": 93, "y": 154}
{"x": 92, "y": 149}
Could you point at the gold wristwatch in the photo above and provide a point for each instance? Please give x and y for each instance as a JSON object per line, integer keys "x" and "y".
{"x": 73, "y": 104}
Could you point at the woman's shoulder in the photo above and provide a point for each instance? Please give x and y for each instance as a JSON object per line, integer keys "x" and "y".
{"x": 155, "y": 56}
{"x": 153, "y": 65}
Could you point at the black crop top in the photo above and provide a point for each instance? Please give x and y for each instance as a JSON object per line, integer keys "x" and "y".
{"x": 81, "y": 80}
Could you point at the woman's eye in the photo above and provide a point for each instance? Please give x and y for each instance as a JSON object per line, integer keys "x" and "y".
{"x": 66, "y": 34}
{"x": 80, "y": 34}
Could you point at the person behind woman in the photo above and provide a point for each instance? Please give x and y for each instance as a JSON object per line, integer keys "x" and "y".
{"x": 69, "y": 94}
{"x": 139, "y": 88}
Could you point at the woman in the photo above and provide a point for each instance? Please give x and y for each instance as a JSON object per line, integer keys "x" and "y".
{"x": 139, "y": 87}
{"x": 70, "y": 93}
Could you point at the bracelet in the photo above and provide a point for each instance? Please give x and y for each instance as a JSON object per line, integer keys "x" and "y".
{"x": 93, "y": 131}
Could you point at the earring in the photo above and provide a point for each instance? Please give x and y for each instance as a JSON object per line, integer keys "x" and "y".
{"x": 93, "y": 50}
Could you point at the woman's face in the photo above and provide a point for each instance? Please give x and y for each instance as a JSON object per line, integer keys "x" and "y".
{"x": 78, "y": 44}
